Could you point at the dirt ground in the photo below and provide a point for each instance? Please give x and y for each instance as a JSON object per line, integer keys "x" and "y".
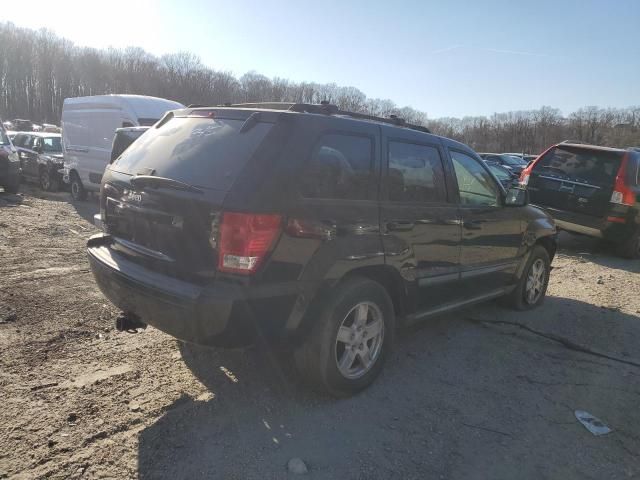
{"x": 458, "y": 399}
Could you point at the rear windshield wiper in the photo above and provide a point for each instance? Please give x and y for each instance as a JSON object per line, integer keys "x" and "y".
{"x": 250, "y": 122}
{"x": 152, "y": 181}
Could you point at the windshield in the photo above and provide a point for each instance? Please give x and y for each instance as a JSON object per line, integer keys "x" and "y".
{"x": 202, "y": 152}
{"x": 52, "y": 145}
{"x": 4, "y": 140}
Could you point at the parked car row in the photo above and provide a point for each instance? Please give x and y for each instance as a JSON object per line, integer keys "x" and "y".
{"x": 95, "y": 131}
{"x": 315, "y": 227}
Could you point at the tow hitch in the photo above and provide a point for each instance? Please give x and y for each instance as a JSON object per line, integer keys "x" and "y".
{"x": 128, "y": 322}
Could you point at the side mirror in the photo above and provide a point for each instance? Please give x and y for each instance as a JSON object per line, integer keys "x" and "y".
{"x": 516, "y": 197}
{"x": 37, "y": 149}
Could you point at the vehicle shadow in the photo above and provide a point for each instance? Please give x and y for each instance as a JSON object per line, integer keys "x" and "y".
{"x": 457, "y": 399}
{"x": 10, "y": 199}
{"x": 596, "y": 251}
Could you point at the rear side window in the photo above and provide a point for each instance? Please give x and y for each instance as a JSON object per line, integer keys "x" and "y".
{"x": 122, "y": 140}
{"x": 580, "y": 165}
{"x": 203, "y": 152}
{"x": 340, "y": 167}
{"x": 415, "y": 173}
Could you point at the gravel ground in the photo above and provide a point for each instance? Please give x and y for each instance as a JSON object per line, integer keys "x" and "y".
{"x": 459, "y": 398}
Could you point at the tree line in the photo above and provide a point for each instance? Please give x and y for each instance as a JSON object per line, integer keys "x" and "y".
{"x": 39, "y": 69}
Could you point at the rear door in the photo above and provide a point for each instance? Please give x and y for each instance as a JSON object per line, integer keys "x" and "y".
{"x": 421, "y": 224}
{"x": 575, "y": 179}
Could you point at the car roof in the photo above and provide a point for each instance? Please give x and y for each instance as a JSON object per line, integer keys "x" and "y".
{"x": 324, "y": 109}
{"x": 587, "y": 146}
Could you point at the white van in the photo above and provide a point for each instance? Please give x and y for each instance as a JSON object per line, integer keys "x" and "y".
{"x": 88, "y": 127}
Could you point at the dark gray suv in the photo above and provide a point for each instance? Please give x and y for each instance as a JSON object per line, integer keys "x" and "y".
{"x": 320, "y": 228}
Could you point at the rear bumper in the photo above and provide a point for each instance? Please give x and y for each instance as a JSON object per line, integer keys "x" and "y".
{"x": 626, "y": 222}
{"x": 222, "y": 314}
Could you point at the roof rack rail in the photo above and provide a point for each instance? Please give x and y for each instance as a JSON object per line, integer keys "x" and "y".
{"x": 326, "y": 108}
{"x": 578, "y": 142}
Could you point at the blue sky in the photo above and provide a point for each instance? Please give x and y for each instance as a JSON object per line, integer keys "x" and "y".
{"x": 448, "y": 58}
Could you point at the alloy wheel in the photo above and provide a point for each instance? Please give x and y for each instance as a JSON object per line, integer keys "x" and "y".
{"x": 359, "y": 340}
{"x": 535, "y": 282}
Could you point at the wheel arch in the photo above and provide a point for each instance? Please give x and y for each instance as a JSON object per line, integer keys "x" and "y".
{"x": 385, "y": 275}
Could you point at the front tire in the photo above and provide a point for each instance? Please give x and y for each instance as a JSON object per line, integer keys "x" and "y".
{"x": 48, "y": 181}
{"x": 77, "y": 189}
{"x": 531, "y": 290}
{"x": 347, "y": 346}
{"x": 13, "y": 186}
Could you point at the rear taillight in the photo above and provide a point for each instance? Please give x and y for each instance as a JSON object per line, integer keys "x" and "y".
{"x": 245, "y": 241}
{"x": 622, "y": 193}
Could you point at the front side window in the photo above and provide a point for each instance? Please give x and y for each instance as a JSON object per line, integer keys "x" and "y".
{"x": 415, "y": 173}
{"x": 474, "y": 183}
{"x": 340, "y": 167}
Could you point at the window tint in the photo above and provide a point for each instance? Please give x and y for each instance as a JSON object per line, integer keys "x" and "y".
{"x": 580, "y": 165}
{"x": 475, "y": 184}
{"x": 415, "y": 173}
{"x": 340, "y": 167}
{"x": 204, "y": 152}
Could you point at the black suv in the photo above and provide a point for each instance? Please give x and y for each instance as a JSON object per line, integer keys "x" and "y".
{"x": 590, "y": 190}
{"x": 318, "y": 227}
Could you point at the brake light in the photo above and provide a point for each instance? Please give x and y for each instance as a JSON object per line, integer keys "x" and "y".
{"x": 622, "y": 193}
{"x": 245, "y": 241}
{"x": 202, "y": 113}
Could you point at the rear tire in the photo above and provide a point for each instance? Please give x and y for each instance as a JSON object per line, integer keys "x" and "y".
{"x": 631, "y": 247}
{"x": 347, "y": 346}
{"x": 78, "y": 192}
{"x": 531, "y": 290}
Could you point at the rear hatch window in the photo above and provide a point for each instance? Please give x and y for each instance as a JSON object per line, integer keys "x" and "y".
{"x": 592, "y": 167}
{"x": 204, "y": 152}
{"x": 575, "y": 179}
